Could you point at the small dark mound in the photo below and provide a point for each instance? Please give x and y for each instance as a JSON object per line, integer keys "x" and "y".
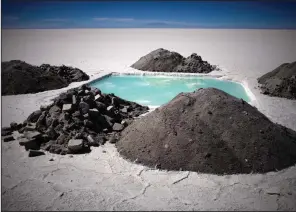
{"x": 162, "y": 60}
{"x": 280, "y": 82}
{"x": 19, "y": 77}
{"x": 209, "y": 131}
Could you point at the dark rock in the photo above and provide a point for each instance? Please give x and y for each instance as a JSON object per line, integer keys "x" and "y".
{"x": 88, "y": 123}
{"x": 113, "y": 139}
{"x": 124, "y": 123}
{"x": 115, "y": 101}
{"x": 108, "y": 121}
{"x": 45, "y": 138}
{"x": 19, "y": 126}
{"x": 33, "y": 117}
{"x": 101, "y": 106}
{"x": 41, "y": 122}
{"x": 47, "y": 145}
{"x": 48, "y": 120}
{"x": 89, "y": 99}
{"x": 46, "y": 107}
{"x": 93, "y": 113}
{"x": 58, "y": 128}
{"x": 64, "y": 117}
{"x": 55, "y": 121}
{"x": 32, "y": 134}
{"x": 110, "y": 108}
{"x": 22, "y": 141}
{"x": 54, "y": 111}
{"x": 58, "y": 149}
{"x": 21, "y": 130}
{"x": 14, "y": 126}
{"x": 67, "y": 128}
{"x": 98, "y": 97}
{"x": 35, "y": 153}
{"x": 76, "y": 114}
{"x": 75, "y": 145}
{"x": 135, "y": 113}
{"x": 100, "y": 139}
{"x": 81, "y": 93}
{"x": 92, "y": 141}
{"x": 28, "y": 128}
{"x": 67, "y": 107}
{"x": 84, "y": 107}
{"x": 124, "y": 110}
{"x": 87, "y": 87}
{"x": 79, "y": 135}
{"x": 62, "y": 139}
{"x": 99, "y": 124}
{"x": 72, "y": 91}
{"x": 63, "y": 98}
{"x": 158, "y": 166}
{"x": 6, "y": 129}
{"x": 30, "y": 143}
{"x": 64, "y": 151}
{"x": 85, "y": 116}
{"x": 7, "y": 138}
{"x": 77, "y": 121}
{"x": 118, "y": 127}
{"x": 74, "y": 100}
{"x": 51, "y": 133}
{"x": 5, "y": 133}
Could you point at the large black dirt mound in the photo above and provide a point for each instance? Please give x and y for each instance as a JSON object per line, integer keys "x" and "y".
{"x": 209, "y": 131}
{"x": 19, "y": 77}
{"x": 280, "y": 82}
{"x": 162, "y": 60}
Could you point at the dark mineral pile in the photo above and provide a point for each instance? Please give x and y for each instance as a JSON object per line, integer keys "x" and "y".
{"x": 209, "y": 131}
{"x": 19, "y": 77}
{"x": 79, "y": 118}
{"x": 162, "y": 60}
{"x": 280, "y": 82}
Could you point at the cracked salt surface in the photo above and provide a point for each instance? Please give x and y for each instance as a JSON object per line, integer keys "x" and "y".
{"x": 105, "y": 181}
{"x": 108, "y": 182}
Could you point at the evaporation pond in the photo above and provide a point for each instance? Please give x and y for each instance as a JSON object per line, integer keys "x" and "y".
{"x": 158, "y": 90}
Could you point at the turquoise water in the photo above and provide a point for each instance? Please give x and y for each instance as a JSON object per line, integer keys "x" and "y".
{"x": 158, "y": 90}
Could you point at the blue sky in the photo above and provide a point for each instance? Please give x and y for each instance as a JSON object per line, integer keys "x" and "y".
{"x": 149, "y": 14}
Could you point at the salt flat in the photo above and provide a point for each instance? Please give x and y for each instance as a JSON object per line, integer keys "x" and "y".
{"x": 104, "y": 181}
